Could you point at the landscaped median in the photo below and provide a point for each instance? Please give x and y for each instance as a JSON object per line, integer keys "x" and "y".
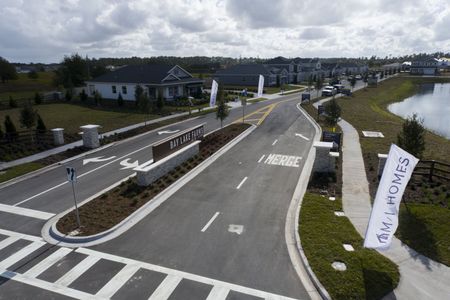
{"x": 369, "y": 275}
{"x": 127, "y": 202}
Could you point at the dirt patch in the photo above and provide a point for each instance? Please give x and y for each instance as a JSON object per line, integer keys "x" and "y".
{"x": 104, "y": 212}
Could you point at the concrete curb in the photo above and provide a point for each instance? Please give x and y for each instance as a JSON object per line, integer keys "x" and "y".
{"x": 55, "y": 165}
{"x": 312, "y": 284}
{"x": 53, "y": 236}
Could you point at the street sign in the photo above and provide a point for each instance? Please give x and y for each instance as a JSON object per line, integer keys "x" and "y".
{"x": 335, "y": 137}
{"x": 71, "y": 174}
{"x": 306, "y": 97}
{"x": 320, "y": 110}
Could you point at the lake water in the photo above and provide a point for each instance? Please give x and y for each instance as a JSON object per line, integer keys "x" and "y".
{"x": 432, "y": 103}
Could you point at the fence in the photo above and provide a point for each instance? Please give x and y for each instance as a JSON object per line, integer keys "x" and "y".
{"x": 432, "y": 168}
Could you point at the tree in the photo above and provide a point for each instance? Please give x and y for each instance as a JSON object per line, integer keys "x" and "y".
{"x": 353, "y": 82}
{"x": 318, "y": 85}
{"x": 12, "y": 102}
{"x": 83, "y": 95}
{"x": 332, "y": 112}
{"x": 69, "y": 94}
{"x": 138, "y": 92}
{"x": 310, "y": 82}
{"x": 73, "y": 71}
{"x": 159, "y": 103}
{"x": 10, "y": 128}
{"x": 7, "y": 70}
{"x": 33, "y": 74}
{"x": 381, "y": 75}
{"x": 120, "y": 100}
{"x": 412, "y": 136}
{"x": 37, "y": 98}
{"x": 40, "y": 127}
{"x": 222, "y": 108}
{"x": 1, "y": 133}
{"x": 27, "y": 116}
{"x": 97, "y": 98}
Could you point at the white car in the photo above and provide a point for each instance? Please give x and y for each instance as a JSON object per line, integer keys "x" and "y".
{"x": 329, "y": 91}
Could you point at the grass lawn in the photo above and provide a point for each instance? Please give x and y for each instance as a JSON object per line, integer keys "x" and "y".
{"x": 18, "y": 171}
{"x": 425, "y": 227}
{"x": 369, "y": 275}
{"x": 71, "y": 117}
{"x": 25, "y": 87}
{"x": 257, "y": 100}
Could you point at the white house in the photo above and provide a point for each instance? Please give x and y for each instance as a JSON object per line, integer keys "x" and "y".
{"x": 169, "y": 81}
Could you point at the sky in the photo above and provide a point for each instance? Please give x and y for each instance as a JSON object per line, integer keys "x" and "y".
{"x": 47, "y": 30}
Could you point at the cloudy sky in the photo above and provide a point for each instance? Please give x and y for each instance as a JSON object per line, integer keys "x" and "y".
{"x": 46, "y": 30}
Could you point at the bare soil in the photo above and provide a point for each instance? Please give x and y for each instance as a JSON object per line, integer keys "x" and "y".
{"x": 111, "y": 208}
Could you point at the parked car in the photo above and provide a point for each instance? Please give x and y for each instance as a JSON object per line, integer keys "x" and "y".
{"x": 328, "y": 91}
{"x": 358, "y": 77}
{"x": 346, "y": 92}
{"x": 339, "y": 88}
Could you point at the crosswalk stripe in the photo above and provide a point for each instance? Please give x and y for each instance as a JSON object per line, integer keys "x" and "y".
{"x": 218, "y": 293}
{"x": 77, "y": 271}
{"x": 45, "y": 285}
{"x": 21, "y": 235}
{"x": 20, "y": 254}
{"x": 8, "y": 241}
{"x": 166, "y": 288}
{"x": 117, "y": 281}
{"x": 47, "y": 262}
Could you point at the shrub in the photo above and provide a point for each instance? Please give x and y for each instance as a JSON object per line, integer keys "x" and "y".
{"x": 37, "y": 98}
{"x": 12, "y": 102}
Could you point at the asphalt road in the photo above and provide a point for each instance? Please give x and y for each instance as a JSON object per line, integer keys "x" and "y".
{"x": 221, "y": 234}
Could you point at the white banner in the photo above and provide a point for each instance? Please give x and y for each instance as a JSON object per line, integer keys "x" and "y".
{"x": 214, "y": 88}
{"x": 383, "y": 220}
{"x": 260, "y": 86}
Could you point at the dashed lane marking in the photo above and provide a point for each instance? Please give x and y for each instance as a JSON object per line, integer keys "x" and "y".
{"x": 242, "y": 182}
{"x": 210, "y": 222}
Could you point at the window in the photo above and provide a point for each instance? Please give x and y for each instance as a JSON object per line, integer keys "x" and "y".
{"x": 124, "y": 89}
{"x": 114, "y": 90}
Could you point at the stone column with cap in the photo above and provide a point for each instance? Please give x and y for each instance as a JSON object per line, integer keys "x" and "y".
{"x": 325, "y": 160}
{"x": 90, "y": 136}
{"x": 58, "y": 136}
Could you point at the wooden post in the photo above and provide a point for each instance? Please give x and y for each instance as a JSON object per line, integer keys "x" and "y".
{"x": 430, "y": 178}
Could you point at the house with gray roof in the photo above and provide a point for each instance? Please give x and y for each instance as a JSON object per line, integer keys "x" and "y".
{"x": 426, "y": 66}
{"x": 170, "y": 82}
{"x": 247, "y": 75}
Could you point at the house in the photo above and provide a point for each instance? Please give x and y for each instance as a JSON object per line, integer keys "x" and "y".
{"x": 351, "y": 68}
{"x": 330, "y": 69}
{"x": 279, "y": 63}
{"x": 427, "y": 66}
{"x": 308, "y": 67}
{"x": 170, "y": 82}
{"x": 248, "y": 75}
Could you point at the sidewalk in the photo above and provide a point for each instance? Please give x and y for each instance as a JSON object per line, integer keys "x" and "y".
{"x": 420, "y": 277}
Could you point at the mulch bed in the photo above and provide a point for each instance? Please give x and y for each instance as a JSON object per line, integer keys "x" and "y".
{"x": 111, "y": 208}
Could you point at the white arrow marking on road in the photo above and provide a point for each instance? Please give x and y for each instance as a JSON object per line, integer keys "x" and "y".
{"x": 302, "y": 136}
{"x": 236, "y": 229}
{"x": 97, "y": 159}
{"x": 128, "y": 165}
{"x": 168, "y": 131}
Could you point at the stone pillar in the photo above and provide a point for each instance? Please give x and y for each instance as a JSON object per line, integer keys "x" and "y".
{"x": 381, "y": 162}
{"x": 325, "y": 160}
{"x": 58, "y": 136}
{"x": 90, "y": 136}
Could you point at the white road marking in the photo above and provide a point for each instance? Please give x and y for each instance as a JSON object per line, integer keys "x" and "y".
{"x": 77, "y": 271}
{"x": 45, "y": 285}
{"x": 26, "y": 212}
{"x": 127, "y": 165}
{"x": 4, "y": 264}
{"x": 274, "y": 142}
{"x": 168, "y": 131}
{"x": 80, "y": 176}
{"x": 218, "y": 293}
{"x": 242, "y": 182}
{"x": 8, "y": 241}
{"x": 210, "y": 221}
{"x": 97, "y": 159}
{"x": 283, "y": 160}
{"x": 21, "y": 236}
{"x": 47, "y": 262}
{"x": 166, "y": 288}
{"x": 109, "y": 289}
{"x": 302, "y": 136}
{"x": 189, "y": 276}
{"x": 236, "y": 229}
{"x": 262, "y": 157}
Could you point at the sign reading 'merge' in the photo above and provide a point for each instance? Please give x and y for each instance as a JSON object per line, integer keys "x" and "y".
{"x": 175, "y": 143}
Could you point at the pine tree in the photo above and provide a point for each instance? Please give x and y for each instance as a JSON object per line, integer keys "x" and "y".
{"x": 332, "y": 112}
{"x": 37, "y": 98}
{"x": 222, "y": 108}
{"x": 40, "y": 127}
{"x": 159, "y": 103}
{"x": 120, "y": 100}
{"x": 27, "y": 116}
{"x": 412, "y": 136}
{"x": 97, "y": 98}
{"x": 12, "y": 102}
{"x": 10, "y": 128}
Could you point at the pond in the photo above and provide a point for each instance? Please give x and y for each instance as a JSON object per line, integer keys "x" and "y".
{"x": 432, "y": 104}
